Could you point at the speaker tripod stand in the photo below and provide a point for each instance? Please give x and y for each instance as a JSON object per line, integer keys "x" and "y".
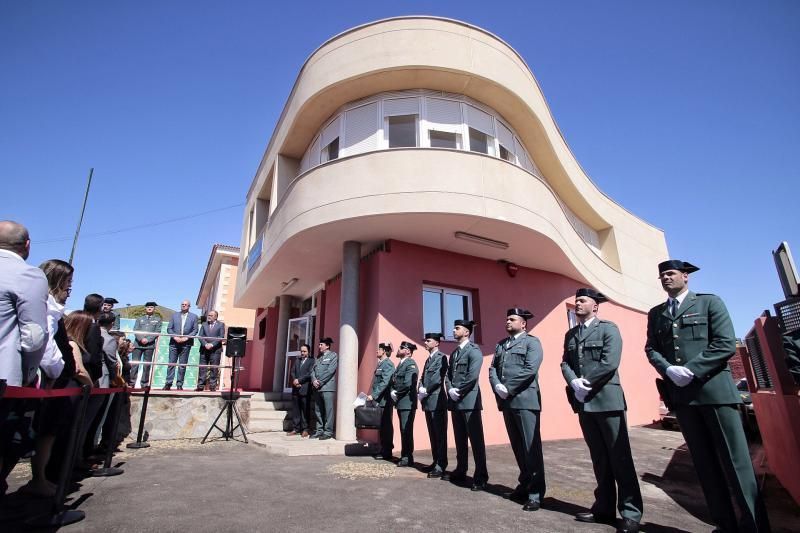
{"x": 229, "y": 409}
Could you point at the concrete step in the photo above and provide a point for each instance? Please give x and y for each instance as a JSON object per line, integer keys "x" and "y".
{"x": 280, "y": 444}
{"x": 261, "y": 426}
{"x": 262, "y": 405}
{"x": 270, "y": 396}
{"x": 267, "y": 415}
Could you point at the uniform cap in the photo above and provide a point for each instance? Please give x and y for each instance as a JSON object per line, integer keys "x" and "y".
{"x": 677, "y": 264}
{"x": 598, "y": 297}
{"x": 435, "y": 336}
{"x": 524, "y": 313}
{"x": 110, "y": 301}
{"x": 469, "y": 324}
{"x": 410, "y": 345}
{"x": 150, "y": 304}
{"x": 326, "y": 340}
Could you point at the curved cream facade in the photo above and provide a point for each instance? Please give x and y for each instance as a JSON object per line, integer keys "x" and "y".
{"x": 425, "y": 195}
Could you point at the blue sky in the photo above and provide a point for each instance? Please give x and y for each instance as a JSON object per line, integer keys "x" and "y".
{"x": 686, "y": 113}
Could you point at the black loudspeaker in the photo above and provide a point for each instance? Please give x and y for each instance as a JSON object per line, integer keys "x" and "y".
{"x": 237, "y": 339}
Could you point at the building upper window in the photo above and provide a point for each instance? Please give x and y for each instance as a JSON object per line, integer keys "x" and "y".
{"x": 441, "y": 306}
{"x": 480, "y": 142}
{"x": 331, "y": 151}
{"x": 444, "y": 139}
{"x": 402, "y": 131}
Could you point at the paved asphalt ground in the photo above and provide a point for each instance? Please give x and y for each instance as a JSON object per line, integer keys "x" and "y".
{"x": 231, "y": 486}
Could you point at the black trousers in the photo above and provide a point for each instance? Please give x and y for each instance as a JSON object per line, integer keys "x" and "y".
{"x": 606, "y": 435}
{"x": 208, "y": 358}
{"x": 301, "y": 412}
{"x": 386, "y": 432}
{"x": 406, "y": 417}
{"x": 437, "y": 432}
{"x": 524, "y": 434}
{"x": 469, "y": 425}
{"x": 716, "y": 440}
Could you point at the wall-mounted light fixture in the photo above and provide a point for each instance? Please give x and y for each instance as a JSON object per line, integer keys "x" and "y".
{"x": 511, "y": 268}
{"x": 481, "y": 240}
{"x": 286, "y": 285}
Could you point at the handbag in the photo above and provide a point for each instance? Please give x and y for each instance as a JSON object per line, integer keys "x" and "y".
{"x": 368, "y": 416}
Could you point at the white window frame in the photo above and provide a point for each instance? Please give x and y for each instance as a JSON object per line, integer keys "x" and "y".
{"x": 417, "y": 129}
{"x": 447, "y": 321}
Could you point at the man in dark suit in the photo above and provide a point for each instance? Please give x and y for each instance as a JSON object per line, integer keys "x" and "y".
{"x": 433, "y": 398}
{"x": 211, "y": 333}
{"x": 465, "y": 406}
{"x": 514, "y": 376}
{"x": 323, "y": 379}
{"x": 380, "y": 392}
{"x": 690, "y": 339}
{"x": 592, "y": 353}
{"x": 301, "y": 392}
{"x": 404, "y": 396}
{"x": 181, "y": 325}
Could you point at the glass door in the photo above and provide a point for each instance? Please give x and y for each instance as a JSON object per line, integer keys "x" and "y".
{"x": 301, "y": 331}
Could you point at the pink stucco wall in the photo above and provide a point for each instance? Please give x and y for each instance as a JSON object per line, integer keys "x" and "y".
{"x": 392, "y": 284}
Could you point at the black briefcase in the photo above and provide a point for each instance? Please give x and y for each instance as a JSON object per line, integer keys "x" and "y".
{"x": 369, "y": 416}
{"x": 664, "y": 391}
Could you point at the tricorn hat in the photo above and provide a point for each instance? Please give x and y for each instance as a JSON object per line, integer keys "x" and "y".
{"x": 524, "y": 313}
{"x": 386, "y": 346}
{"x": 598, "y": 297}
{"x": 110, "y": 301}
{"x": 469, "y": 324}
{"x": 326, "y": 340}
{"x": 435, "y": 336}
{"x": 150, "y": 304}
{"x": 410, "y": 345}
{"x": 677, "y": 264}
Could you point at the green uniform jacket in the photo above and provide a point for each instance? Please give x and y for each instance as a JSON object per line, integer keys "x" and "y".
{"x": 595, "y": 356}
{"x": 147, "y": 323}
{"x": 324, "y": 370}
{"x": 701, "y": 338}
{"x": 517, "y": 367}
{"x": 381, "y": 381}
{"x": 433, "y": 376}
{"x": 404, "y": 383}
{"x": 463, "y": 374}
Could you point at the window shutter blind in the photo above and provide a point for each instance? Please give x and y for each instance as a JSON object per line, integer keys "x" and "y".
{"x": 479, "y": 120}
{"x": 330, "y": 133}
{"x": 400, "y": 106}
{"x": 444, "y": 115}
{"x": 505, "y": 137}
{"x": 361, "y": 129}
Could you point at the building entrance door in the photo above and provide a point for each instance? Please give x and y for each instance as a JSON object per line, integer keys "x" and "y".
{"x": 301, "y": 331}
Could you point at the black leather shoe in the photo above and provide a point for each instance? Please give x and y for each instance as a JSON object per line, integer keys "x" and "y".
{"x": 478, "y": 486}
{"x": 180, "y": 387}
{"x": 428, "y": 468}
{"x": 594, "y": 518}
{"x": 325, "y": 437}
{"x": 518, "y": 495}
{"x": 403, "y": 462}
{"x": 435, "y": 474}
{"x": 314, "y": 436}
{"x": 167, "y": 386}
{"x": 531, "y": 505}
{"x": 629, "y": 526}
{"x": 454, "y": 478}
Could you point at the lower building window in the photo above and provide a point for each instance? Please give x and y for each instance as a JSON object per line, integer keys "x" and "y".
{"x": 402, "y": 131}
{"x": 441, "y": 306}
{"x": 480, "y": 142}
{"x": 331, "y": 152}
{"x": 444, "y": 139}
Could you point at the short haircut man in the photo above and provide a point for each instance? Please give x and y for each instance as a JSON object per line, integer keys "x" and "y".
{"x": 211, "y": 333}
{"x": 323, "y": 379}
{"x": 182, "y": 326}
{"x": 433, "y": 400}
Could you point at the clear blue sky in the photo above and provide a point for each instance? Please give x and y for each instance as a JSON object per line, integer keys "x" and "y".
{"x": 685, "y": 105}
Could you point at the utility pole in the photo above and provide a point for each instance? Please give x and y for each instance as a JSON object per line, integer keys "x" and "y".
{"x": 80, "y": 220}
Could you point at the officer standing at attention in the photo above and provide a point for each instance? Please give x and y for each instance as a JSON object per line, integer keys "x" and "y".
{"x": 433, "y": 398}
{"x": 323, "y": 378}
{"x": 465, "y": 406}
{"x": 404, "y": 396}
{"x": 379, "y": 392}
{"x": 592, "y": 353}
{"x": 690, "y": 339}
{"x": 514, "y": 376}
{"x": 145, "y": 344}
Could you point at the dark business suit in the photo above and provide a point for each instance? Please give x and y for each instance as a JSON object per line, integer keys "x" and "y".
{"x": 379, "y": 391}
{"x": 210, "y": 356}
{"x": 595, "y": 355}
{"x": 463, "y": 374}
{"x": 404, "y": 384}
{"x": 700, "y": 337}
{"x": 516, "y": 365}
{"x": 301, "y": 371}
{"x": 179, "y": 351}
{"x": 434, "y": 405}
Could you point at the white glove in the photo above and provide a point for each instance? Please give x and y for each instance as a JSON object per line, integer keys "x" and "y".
{"x": 581, "y": 388}
{"x": 422, "y": 392}
{"x": 680, "y": 375}
{"x": 393, "y": 394}
{"x": 501, "y": 390}
{"x": 454, "y": 395}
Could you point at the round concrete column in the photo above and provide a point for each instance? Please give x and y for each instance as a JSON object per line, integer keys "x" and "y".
{"x": 284, "y": 305}
{"x": 347, "y": 385}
